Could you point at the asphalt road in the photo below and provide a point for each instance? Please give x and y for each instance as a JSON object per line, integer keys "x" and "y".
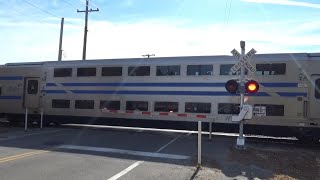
{"x": 106, "y": 153}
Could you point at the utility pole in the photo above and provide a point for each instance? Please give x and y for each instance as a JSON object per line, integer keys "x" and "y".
{"x": 86, "y": 28}
{"x": 148, "y": 55}
{"x": 60, "y": 41}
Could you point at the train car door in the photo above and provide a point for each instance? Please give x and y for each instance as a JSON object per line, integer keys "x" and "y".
{"x": 315, "y": 97}
{"x": 32, "y": 94}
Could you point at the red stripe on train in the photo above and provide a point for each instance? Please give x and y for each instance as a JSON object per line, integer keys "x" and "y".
{"x": 163, "y": 114}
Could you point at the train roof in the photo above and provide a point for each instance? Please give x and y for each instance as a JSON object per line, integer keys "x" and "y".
{"x": 173, "y": 60}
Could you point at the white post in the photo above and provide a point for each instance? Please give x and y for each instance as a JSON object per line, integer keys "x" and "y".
{"x": 199, "y": 143}
{"x": 41, "y": 118}
{"x": 210, "y": 130}
{"x": 241, "y": 139}
{"x": 26, "y": 120}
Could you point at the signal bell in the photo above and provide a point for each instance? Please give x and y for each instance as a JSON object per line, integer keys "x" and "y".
{"x": 251, "y": 86}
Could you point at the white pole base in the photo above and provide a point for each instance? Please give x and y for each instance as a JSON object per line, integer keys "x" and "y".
{"x": 241, "y": 143}
{"x": 199, "y": 142}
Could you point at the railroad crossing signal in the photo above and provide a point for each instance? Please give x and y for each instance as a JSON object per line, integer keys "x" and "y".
{"x": 243, "y": 61}
{"x": 233, "y": 87}
{"x": 242, "y": 87}
{"x": 252, "y": 86}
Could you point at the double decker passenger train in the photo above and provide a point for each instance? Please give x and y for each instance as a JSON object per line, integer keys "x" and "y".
{"x": 166, "y": 89}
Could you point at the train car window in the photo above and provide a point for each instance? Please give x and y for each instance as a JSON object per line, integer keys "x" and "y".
{"x": 86, "y": 72}
{"x": 60, "y": 103}
{"x": 84, "y": 104}
{"x": 271, "y": 69}
{"x": 198, "y": 70}
{"x": 166, "y": 106}
{"x": 273, "y": 109}
{"x": 110, "y": 105}
{"x": 317, "y": 89}
{"x": 228, "y": 108}
{"x": 278, "y": 69}
{"x": 32, "y": 86}
{"x": 111, "y": 71}
{"x": 225, "y": 70}
{"x": 62, "y": 72}
{"x": 139, "y": 71}
{"x": 168, "y": 70}
{"x": 137, "y": 105}
{"x": 192, "y": 107}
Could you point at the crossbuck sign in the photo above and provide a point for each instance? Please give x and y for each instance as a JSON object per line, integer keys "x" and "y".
{"x": 243, "y": 61}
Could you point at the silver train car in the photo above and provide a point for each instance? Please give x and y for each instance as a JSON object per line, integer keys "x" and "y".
{"x": 166, "y": 89}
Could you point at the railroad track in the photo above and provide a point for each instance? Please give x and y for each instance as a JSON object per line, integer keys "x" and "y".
{"x": 283, "y": 141}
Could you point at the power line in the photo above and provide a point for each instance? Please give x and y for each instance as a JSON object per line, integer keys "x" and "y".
{"x": 45, "y": 11}
{"x": 69, "y": 4}
{"x": 91, "y": 2}
{"x": 229, "y": 11}
{"x": 40, "y": 9}
{"x": 23, "y": 14}
{"x": 225, "y": 12}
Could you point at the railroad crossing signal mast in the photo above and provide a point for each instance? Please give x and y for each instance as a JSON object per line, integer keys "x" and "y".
{"x": 242, "y": 87}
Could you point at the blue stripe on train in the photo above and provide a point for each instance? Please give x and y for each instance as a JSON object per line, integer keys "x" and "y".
{"x": 292, "y": 94}
{"x": 167, "y": 84}
{"x": 170, "y": 84}
{"x": 279, "y": 84}
{"x": 51, "y": 84}
{"x": 11, "y": 77}
{"x": 10, "y": 97}
{"x": 54, "y": 91}
{"x": 180, "y": 93}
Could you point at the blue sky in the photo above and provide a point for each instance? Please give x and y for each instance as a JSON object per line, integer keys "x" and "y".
{"x": 130, "y": 28}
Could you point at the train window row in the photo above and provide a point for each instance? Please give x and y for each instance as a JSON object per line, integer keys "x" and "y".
{"x": 225, "y": 70}
{"x": 168, "y": 70}
{"x": 60, "y": 103}
{"x": 199, "y": 70}
{"x": 62, "y": 72}
{"x": 172, "y": 70}
{"x": 134, "y": 105}
{"x": 190, "y": 107}
{"x": 271, "y": 69}
{"x": 271, "y": 109}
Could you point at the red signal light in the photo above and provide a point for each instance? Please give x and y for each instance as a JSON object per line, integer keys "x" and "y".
{"x": 232, "y": 86}
{"x": 252, "y": 86}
